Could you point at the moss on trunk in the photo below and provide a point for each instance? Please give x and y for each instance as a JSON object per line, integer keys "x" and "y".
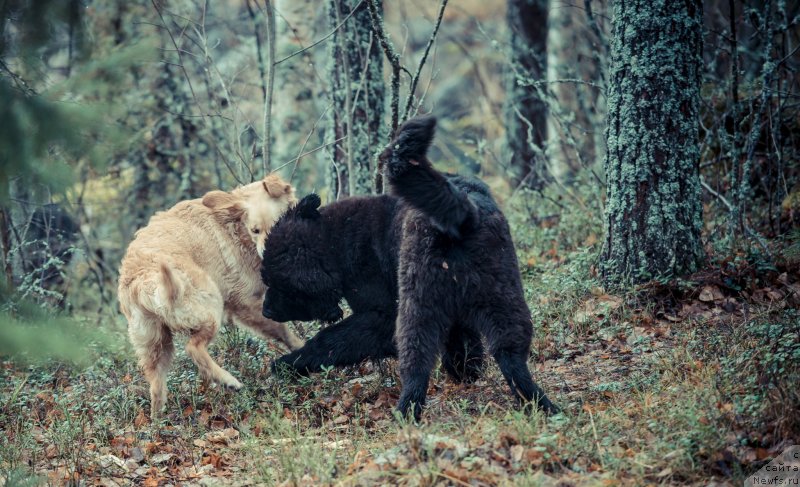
{"x": 357, "y": 92}
{"x": 653, "y": 212}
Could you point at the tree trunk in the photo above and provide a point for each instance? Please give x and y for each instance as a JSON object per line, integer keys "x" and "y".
{"x": 357, "y": 94}
{"x": 653, "y": 212}
{"x": 525, "y": 109}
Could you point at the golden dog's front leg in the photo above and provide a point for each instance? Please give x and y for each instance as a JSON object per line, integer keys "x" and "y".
{"x": 251, "y": 316}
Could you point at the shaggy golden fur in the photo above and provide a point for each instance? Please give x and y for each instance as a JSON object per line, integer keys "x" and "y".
{"x": 193, "y": 265}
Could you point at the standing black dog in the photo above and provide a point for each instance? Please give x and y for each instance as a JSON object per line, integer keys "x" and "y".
{"x": 428, "y": 270}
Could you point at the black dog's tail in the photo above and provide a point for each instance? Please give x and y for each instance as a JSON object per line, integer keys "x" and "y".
{"x": 412, "y": 178}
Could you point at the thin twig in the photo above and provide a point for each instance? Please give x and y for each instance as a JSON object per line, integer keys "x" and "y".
{"x": 308, "y": 137}
{"x": 178, "y": 49}
{"x": 259, "y": 53}
{"x": 323, "y": 39}
{"x": 309, "y": 152}
{"x": 415, "y": 79}
{"x": 394, "y": 61}
{"x": 164, "y": 25}
{"x": 716, "y": 194}
{"x": 267, "y": 150}
{"x": 348, "y": 102}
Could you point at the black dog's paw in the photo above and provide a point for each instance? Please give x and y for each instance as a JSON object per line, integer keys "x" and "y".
{"x": 548, "y": 407}
{"x": 412, "y": 397}
{"x": 285, "y": 368}
{"x": 408, "y": 410}
{"x": 541, "y": 403}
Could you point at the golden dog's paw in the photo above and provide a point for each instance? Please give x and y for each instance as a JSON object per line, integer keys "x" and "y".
{"x": 229, "y": 382}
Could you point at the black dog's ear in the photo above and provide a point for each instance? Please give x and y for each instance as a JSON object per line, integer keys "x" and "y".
{"x": 308, "y": 206}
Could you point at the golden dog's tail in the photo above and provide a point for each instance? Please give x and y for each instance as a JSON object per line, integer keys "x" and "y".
{"x": 172, "y": 286}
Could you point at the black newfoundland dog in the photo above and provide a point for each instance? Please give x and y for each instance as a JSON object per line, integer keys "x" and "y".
{"x": 427, "y": 271}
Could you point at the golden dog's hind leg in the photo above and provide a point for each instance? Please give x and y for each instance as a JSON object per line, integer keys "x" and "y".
{"x": 197, "y": 348}
{"x": 152, "y": 342}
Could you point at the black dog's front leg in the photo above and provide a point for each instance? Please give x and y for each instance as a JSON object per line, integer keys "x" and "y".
{"x": 361, "y": 336}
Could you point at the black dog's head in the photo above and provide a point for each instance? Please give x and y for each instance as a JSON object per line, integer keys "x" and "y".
{"x": 301, "y": 275}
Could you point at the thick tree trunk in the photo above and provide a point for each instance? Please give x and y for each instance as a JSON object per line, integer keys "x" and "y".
{"x": 653, "y": 211}
{"x": 357, "y": 93}
{"x": 525, "y": 110}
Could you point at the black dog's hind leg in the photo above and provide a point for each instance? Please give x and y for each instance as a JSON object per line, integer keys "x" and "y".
{"x": 463, "y": 356}
{"x": 509, "y": 338}
{"x": 420, "y": 336}
{"x": 358, "y": 337}
{"x": 514, "y": 367}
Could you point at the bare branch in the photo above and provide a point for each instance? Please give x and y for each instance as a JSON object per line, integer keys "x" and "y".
{"x": 415, "y": 78}
{"x": 270, "y": 86}
{"x": 323, "y": 39}
{"x": 394, "y": 61}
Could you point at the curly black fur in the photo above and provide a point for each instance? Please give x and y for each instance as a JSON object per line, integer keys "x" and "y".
{"x": 439, "y": 243}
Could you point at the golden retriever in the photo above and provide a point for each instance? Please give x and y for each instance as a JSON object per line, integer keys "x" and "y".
{"x": 192, "y": 266}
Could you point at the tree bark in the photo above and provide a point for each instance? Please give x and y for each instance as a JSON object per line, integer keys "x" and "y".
{"x": 357, "y": 94}
{"x": 525, "y": 110}
{"x": 653, "y": 211}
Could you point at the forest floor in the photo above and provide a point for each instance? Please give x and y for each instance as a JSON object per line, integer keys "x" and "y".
{"x": 689, "y": 382}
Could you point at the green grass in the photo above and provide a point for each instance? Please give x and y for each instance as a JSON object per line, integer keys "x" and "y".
{"x": 647, "y": 399}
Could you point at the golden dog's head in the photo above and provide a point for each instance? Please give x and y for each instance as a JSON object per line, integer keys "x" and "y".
{"x": 253, "y": 208}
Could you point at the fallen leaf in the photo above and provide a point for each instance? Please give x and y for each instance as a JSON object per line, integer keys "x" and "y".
{"x": 226, "y": 436}
{"x": 516, "y": 452}
{"x": 664, "y": 473}
{"x": 161, "y": 458}
{"x": 141, "y": 419}
{"x": 213, "y": 459}
{"x": 137, "y": 454}
{"x": 109, "y": 461}
{"x": 335, "y": 445}
{"x": 152, "y": 481}
{"x": 710, "y": 293}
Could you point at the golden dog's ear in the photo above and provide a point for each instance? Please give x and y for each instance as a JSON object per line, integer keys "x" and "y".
{"x": 275, "y": 186}
{"x": 224, "y": 203}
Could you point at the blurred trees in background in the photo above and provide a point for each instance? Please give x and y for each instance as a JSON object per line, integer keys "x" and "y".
{"x": 114, "y": 110}
{"x": 525, "y": 105}
{"x": 299, "y": 76}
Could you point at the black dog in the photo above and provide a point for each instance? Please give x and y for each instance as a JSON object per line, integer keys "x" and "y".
{"x": 458, "y": 277}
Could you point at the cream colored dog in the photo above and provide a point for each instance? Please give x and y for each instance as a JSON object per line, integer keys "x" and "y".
{"x": 191, "y": 266}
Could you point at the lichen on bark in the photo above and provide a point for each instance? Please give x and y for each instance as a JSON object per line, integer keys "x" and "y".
{"x": 357, "y": 93}
{"x": 653, "y": 211}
